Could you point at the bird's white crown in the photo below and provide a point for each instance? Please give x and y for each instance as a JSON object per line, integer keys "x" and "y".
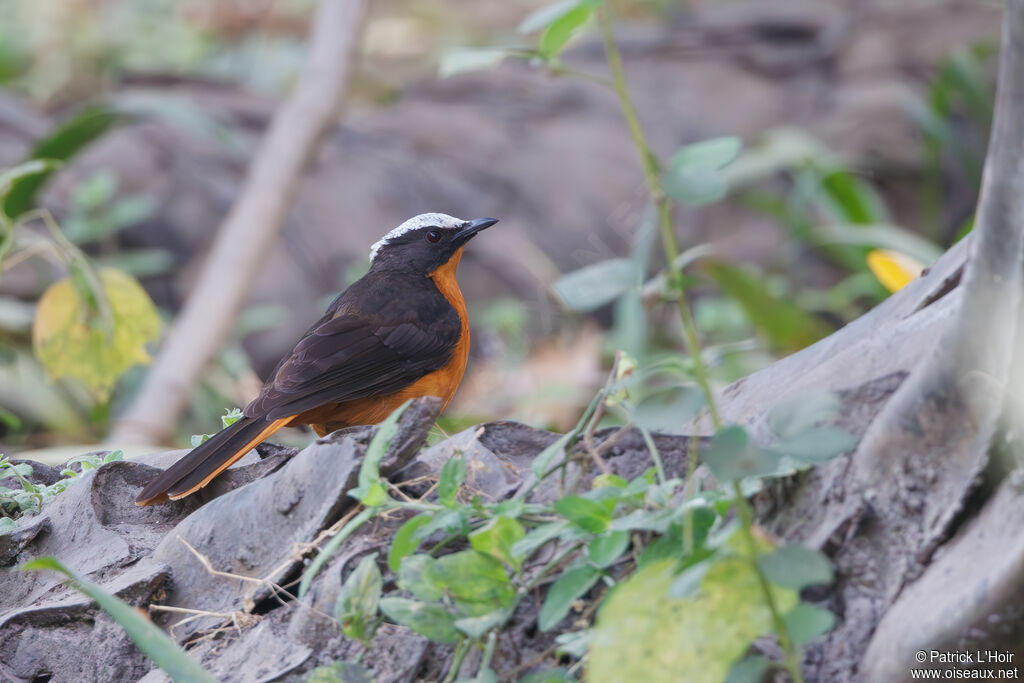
{"x": 433, "y": 220}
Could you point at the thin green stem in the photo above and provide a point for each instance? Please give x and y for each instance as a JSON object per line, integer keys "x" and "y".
{"x": 746, "y": 515}
{"x": 659, "y": 466}
{"x": 572, "y": 436}
{"x": 460, "y": 654}
{"x": 485, "y": 663}
{"x": 562, "y": 70}
{"x": 692, "y": 453}
{"x": 668, "y": 240}
{"x": 6, "y": 238}
{"x": 549, "y": 566}
{"x": 416, "y": 507}
{"x": 73, "y": 255}
{"x": 663, "y": 202}
{"x": 321, "y": 559}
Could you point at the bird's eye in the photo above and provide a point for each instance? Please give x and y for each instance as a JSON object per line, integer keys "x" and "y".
{"x": 433, "y": 236}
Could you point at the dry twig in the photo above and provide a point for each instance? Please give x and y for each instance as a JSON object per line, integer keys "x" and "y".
{"x": 248, "y": 233}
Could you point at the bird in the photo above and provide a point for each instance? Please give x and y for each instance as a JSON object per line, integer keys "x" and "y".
{"x": 399, "y": 332}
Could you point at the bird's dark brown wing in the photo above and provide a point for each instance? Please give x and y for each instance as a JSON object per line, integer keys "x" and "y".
{"x": 362, "y": 353}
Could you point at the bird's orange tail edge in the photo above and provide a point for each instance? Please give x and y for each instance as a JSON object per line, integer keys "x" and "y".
{"x": 208, "y": 459}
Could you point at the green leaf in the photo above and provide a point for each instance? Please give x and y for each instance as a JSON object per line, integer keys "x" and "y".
{"x": 339, "y": 672}
{"x": 687, "y": 582}
{"x": 375, "y": 495}
{"x": 749, "y": 670}
{"x": 806, "y": 622}
{"x": 230, "y": 417}
{"x": 816, "y": 445}
{"x": 146, "y": 635}
{"x": 453, "y": 521}
{"x": 511, "y": 508}
{"x": 497, "y": 537}
{"x": 26, "y": 169}
{"x": 584, "y": 513}
{"x": 569, "y": 586}
{"x": 641, "y": 484}
{"x": 7, "y": 525}
{"x": 484, "y": 675}
{"x": 462, "y": 60}
{"x": 669, "y": 410}
{"x": 849, "y": 199}
{"x": 782, "y": 323}
{"x": 607, "y": 548}
{"x": 61, "y": 145}
{"x": 414, "y": 577}
{"x": 549, "y": 676}
{"x": 693, "y": 177}
{"x": 356, "y": 605}
{"x": 432, "y": 621}
{"x": 795, "y": 566}
{"x": 574, "y": 643}
{"x": 476, "y": 627}
{"x": 405, "y": 541}
{"x": 603, "y": 480}
{"x": 478, "y": 583}
{"x": 595, "y": 285}
{"x": 608, "y": 496}
{"x": 670, "y": 544}
{"x": 697, "y": 637}
{"x": 694, "y": 186}
{"x": 128, "y": 211}
{"x": 453, "y": 473}
{"x": 20, "y": 470}
{"x": 712, "y": 154}
{"x": 95, "y": 190}
{"x": 69, "y": 345}
{"x": 370, "y": 491}
{"x": 8, "y": 419}
{"x": 536, "y": 538}
{"x": 558, "y": 34}
{"x": 878, "y": 236}
{"x": 139, "y": 262}
{"x": 629, "y": 332}
{"x": 665, "y": 547}
{"x": 731, "y": 456}
{"x": 549, "y": 14}
{"x": 796, "y": 414}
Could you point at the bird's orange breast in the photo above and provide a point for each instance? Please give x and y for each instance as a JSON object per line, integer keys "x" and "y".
{"x": 443, "y": 382}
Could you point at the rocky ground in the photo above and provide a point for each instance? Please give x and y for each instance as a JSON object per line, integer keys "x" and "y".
{"x": 259, "y": 521}
{"x": 224, "y": 554}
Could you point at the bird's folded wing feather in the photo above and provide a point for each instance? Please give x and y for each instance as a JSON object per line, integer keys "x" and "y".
{"x": 355, "y": 356}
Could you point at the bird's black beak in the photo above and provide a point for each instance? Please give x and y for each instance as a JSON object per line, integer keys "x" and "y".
{"x": 470, "y": 228}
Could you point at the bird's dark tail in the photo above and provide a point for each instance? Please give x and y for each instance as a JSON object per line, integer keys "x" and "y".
{"x": 208, "y": 459}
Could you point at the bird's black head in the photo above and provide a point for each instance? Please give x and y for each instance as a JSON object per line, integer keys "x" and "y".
{"x": 425, "y": 243}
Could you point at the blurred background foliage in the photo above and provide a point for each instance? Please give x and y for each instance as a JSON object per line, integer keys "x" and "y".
{"x": 775, "y": 223}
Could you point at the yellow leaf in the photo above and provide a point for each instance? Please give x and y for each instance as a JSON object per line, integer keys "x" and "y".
{"x": 643, "y": 634}
{"x": 68, "y": 344}
{"x": 893, "y": 269}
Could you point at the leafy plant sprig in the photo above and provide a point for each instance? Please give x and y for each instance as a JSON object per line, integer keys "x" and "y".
{"x": 618, "y": 533}
{"x": 230, "y": 417}
{"x": 92, "y": 325}
{"x": 29, "y": 497}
